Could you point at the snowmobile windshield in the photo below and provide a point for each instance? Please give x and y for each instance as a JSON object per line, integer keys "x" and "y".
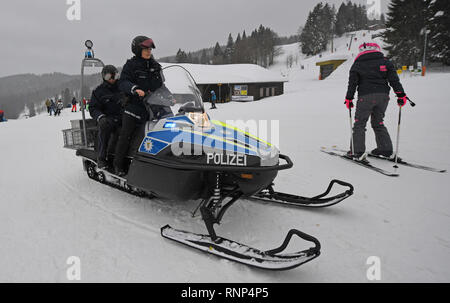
{"x": 179, "y": 92}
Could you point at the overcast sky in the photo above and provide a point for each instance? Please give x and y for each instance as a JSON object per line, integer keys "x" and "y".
{"x": 36, "y": 36}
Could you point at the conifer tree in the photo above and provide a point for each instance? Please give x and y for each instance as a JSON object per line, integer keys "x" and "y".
{"x": 218, "y": 54}
{"x": 439, "y": 26}
{"x": 405, "y": 27}
{"x": 229, "y": 49}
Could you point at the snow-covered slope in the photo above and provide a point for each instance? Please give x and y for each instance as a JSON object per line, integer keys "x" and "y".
{"x": 50, "y": 210}
{"x": 342, "y": 49}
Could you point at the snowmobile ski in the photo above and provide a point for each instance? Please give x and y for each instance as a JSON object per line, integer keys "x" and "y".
{"x": 402, "y": 162}
{"x": 273, "y": 259}
{"x": 271, "y": 196}
{"x": 364, "y": 163}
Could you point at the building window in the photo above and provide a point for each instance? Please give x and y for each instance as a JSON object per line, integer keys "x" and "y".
{"x": 267, "y": 91}
{"x": 261, "y": 92}
{"x": 273, "y": 91}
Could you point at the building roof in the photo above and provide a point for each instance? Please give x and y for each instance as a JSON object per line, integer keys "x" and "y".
{"x": 231, "y": 73}
{"x": 334, "y": 61}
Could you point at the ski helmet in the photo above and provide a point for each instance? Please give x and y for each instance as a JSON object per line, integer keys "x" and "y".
{"x": 141, "y": 42}
{"x": 110, "y": 72}
{"x": 369, "y": 46}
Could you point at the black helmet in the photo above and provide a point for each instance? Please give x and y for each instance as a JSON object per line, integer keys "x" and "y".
{"x": 141, "y": 42}
{"x": 109, "y": 72}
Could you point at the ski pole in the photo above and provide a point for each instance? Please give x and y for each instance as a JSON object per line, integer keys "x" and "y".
{"x": 398, "y": 136}
{"x": 398, "y": 130}
{"x": 411, "y": 102}
{"x": 351, "y": 130}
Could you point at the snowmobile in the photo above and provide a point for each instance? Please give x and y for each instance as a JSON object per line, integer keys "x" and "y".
{"x": 182, "y": 154}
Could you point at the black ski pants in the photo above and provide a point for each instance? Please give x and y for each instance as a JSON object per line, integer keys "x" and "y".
{"x": 130, "y": 125}
{"x": 373, "y": 106}
{"x": 105, "y": 132}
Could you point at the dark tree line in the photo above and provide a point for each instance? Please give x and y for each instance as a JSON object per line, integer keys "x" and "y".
{"x": 407, "y": 23}
{"x": 318, "y": 29}
{"x": 257, "y": 48}
{"x": 351, "y": 17}
{"x": 324, "y": 22}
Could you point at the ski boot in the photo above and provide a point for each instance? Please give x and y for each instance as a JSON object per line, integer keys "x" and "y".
{"x": 102, "y": 164}
{"x": 362, "y": 157}
{"x": 382, "y": 153}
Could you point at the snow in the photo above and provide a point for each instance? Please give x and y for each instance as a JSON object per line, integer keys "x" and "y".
{"x": 50, "y": 210}
{"x": 230, "y": 73}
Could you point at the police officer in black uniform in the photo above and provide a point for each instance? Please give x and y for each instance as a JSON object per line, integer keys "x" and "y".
{"x": 141, "y": 75}
{"x": 106, "y": 108}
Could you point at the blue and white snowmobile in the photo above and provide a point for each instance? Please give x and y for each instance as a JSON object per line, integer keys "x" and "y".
{"x": 182, "y": 154}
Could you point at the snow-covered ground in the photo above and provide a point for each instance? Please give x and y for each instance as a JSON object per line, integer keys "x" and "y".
{"x": 50, "y": 210}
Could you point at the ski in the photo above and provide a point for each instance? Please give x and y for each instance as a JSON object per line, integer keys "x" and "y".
{"x": 231, "y": 250}
{"x": 401, "y": 161}
{"x": 272, "y": 196}
{"x": 365, "y": 164}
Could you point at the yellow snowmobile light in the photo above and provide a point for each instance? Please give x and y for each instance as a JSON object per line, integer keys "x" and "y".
{"x": 199, "y": 119}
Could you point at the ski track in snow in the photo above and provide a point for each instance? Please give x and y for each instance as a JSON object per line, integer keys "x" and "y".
{"x": 51, "y": 210}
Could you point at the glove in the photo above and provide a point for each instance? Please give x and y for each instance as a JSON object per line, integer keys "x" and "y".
{"x": 401, "y": 99}
{"x": 348, "y": 103}
{"x": 124, "y": 101}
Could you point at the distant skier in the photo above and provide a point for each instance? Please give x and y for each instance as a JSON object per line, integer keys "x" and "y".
{"x": 48, "y": 104}
{"x": 2, "y": 113}
{"x": 370, "y": 74}
{"x": 74, "y": 104}
{"x": 106, "y": 108}
{"x": 213, "y": 100}
{"x": 83, "y": 103}
{"x": 52, "y": 107}
{"x": 141, "y": 75}
{"x": 59, "y": 107}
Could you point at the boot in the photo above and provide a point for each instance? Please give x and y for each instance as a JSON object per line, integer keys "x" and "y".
{"x": 357, "y": 156}
{"x": 383, "y": 153}
{"x": 102, "y": 164}
{"x": 119, "y": 172}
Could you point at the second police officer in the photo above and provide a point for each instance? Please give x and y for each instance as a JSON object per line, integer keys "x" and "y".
{"x": 106, "y": 108}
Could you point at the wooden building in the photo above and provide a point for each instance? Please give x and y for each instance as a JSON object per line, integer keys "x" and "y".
{"x": 328, "y": 66}
{"x": 236, "y": 82}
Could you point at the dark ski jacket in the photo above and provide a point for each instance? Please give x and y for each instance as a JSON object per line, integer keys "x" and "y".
{"x": 106, "y": 100}
{"x": 371, "y": 73}
{"x": 139, "y": 73}
{"x": 74, "y": 101}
